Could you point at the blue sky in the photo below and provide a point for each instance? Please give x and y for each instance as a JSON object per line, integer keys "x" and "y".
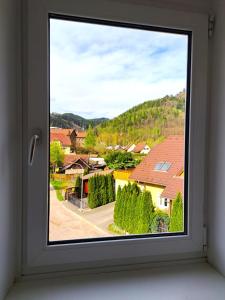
{"x": 101, "y": 71}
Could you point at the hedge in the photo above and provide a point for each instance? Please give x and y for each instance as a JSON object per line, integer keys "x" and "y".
{"x": 133, "y": 209}
{"x": 101, "y": 190}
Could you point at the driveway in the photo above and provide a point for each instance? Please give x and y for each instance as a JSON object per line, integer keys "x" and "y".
{"x": 66, "y": 224}
{"x": 101, "y": 216}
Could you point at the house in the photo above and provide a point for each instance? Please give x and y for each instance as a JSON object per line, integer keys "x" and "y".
{"x": 62, "y": 136}
{"x": 77, "y": 138}
{"x": 161, "y": 172}
{"x": 122, "y": 177}
{"x": 130, "y": 147}
{"x": 141, "y": 148}
{"x": 75, "y": 164}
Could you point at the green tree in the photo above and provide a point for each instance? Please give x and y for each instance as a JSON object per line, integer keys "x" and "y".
{"x": 78, "y": 184}
{"x": 176, "y": 219}
{"x": 90, "y": 140}
{"x": 117, "y": 209}
{"x": 120, "y": 160}
{"x": 56, "y": 155}
{"x": 110, "y": 188}
{"x": 145, "y": 211}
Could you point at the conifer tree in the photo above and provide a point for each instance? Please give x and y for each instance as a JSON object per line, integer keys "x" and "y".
{"x": 117, "y": 208}
{"x": 176, "y": 219}
{"x": 90, "y": 193}
{"x": 78, "y": 185}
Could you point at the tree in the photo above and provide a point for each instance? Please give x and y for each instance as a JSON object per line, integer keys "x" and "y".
{"x": 117, "y": 209}
{"x": 111, "y": 188}
{"x": 78, "y": 184}
{"x": 90, "y": 140}
{"x": 56, "y": 155}
{"x": 176, "y": 220}
{"x": 120, "y": 160}
{"x": 145, "y": 211}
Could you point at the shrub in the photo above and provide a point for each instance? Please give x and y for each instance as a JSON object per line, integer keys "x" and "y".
{"x": 160, "y": 222}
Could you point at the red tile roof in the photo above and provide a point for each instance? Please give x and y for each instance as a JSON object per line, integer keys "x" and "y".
{"x": 170, "y": 150}
{"x": 139, "y": 147}
{"x": 175, "y": 185}
{"x": 65, "y": 131}
{"x": 61, "y": 137}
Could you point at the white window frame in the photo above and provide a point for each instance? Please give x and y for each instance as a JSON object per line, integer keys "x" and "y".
{"x": 38, "y": 257}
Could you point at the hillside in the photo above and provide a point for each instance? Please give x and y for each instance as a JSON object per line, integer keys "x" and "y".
{"x": 150, "y": 122}
{"x": 69, "y": 120}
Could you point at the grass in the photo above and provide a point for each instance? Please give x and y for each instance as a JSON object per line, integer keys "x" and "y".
{"x": 116, "y": 230}
{"x": 59, "y": 186}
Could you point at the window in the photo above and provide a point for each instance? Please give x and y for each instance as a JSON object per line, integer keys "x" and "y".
{"x": 164, "y": 166}
{"x": 165, "y": 202}
{"x": 39, "y": 254}
{"x": 99, "y": 63}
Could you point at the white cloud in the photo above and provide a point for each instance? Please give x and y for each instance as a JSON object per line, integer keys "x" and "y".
{"x": 101, "y": 71}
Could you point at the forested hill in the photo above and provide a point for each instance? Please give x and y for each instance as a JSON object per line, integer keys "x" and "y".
{"x": 69, "y": 120}
{"x": 148, "y": 122}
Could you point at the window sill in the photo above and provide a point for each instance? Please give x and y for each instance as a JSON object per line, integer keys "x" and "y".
{"x": 185, "y": 281}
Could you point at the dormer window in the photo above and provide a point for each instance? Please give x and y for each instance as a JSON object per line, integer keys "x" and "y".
{"x": 162, "y": 166}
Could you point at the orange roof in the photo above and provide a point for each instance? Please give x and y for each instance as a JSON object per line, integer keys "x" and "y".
{"x": 170, "y": 150}
{"x": 139, "y": 147}
{"x": 65, "y": 131}
{"x": 173, "y": 187}
{"x": 61, "y": 137}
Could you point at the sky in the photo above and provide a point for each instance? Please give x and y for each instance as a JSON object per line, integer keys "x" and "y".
{"x": 102, "y": 71}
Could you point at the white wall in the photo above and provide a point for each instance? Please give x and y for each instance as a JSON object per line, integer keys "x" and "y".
{"x": 9, "y": 140}
{"x": 216, "y": 172}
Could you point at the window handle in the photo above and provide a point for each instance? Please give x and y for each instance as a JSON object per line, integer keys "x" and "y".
{"x": 32, "y": 148}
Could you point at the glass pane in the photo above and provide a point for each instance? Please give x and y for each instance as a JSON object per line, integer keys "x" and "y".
{"x": 159, "y": 166}
{"x": 165, "y": 166}
{"x": 117, "y": 114}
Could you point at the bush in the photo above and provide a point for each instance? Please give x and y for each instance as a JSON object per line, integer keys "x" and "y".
{"x": 160, "y": 222}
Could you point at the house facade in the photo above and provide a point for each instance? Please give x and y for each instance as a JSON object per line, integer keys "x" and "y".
{"x": 141, "y": 148}
{"x": 162, "y": 172}
{"x": 61, "y": 136}
{"x": 77, "y": 138}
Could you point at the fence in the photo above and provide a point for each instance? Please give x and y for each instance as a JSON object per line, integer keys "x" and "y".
{"x": 64, "y": 177}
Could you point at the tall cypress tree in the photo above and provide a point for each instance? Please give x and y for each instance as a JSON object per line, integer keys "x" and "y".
{"x": 123, "y": 206}
{"x": 145, "y": 210}
{"x": 117, "y": 209}
{"x": 110, "y": 188}
{"x": 176, "y": 219}
{"x": 90, "y": 193}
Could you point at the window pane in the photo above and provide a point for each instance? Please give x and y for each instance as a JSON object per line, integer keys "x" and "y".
{"x": 117, "y": 115}
{"x": 165, "y": 166}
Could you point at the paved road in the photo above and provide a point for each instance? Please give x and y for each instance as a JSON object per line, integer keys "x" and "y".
{"x": 66, "y": 224}
{"x": 100, "y": 216}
